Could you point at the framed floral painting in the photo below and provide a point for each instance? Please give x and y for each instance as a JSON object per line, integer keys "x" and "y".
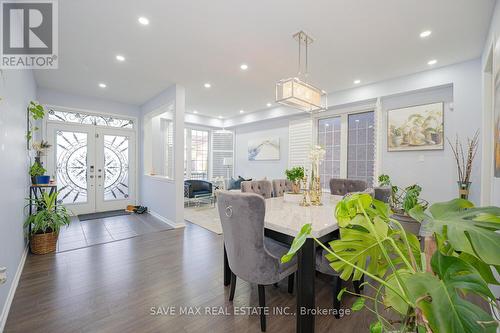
{"x": 417, "y": 127}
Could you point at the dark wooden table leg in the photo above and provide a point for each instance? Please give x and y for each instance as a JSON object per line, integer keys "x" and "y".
{"x": 305, "y": 287}
{"x": 227, "y": 270}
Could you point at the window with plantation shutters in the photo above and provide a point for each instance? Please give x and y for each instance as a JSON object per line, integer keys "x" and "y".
{"x": 300, "y": 142}
{"x": 222, "y": 153}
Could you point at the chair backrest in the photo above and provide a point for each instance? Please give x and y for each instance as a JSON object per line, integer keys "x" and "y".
{"x": 383, "y": 193}
{"x": 280, "y": 186}
{"x": 242, "y": 218}
{"x": 340, "y": 186}
{"x": 261, "y": 187}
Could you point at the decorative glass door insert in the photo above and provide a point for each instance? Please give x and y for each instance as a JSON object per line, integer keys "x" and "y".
{"x": 116, "y": 167}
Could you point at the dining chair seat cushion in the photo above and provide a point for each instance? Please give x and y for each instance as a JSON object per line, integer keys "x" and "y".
{"x": 278, "y": 250}
{"x": 323, "y": 265}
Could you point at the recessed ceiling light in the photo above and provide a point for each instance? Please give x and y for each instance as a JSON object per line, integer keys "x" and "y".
{"x": 207, "y": 85}
{"x": 120, "y": 57}
{"x": 242, "y": 111}
{"x": 425, "y": 34}
{"x": 195, "y": 112}
{"x": 244, "y": 67}
{"x": 143, "y": 20}
{"x": 220, "y": 117}
{"x": 432, "y": 62}
{"x": 102, "y": 85}
{"x": 357, "y": 81}
{"x": 268, "y": 105}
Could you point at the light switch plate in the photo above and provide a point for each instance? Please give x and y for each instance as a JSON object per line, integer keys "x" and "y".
{"x": 421, "y": 158}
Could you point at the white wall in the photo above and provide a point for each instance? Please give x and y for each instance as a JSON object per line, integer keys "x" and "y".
{"x": 488, "y": 120}
{"x": 260, "y": 169}
{"x": 52, "y": 97}
{"x": 164, "y": 197}
{"x": 17, "y": 89}
{"x": 437, "y": 173}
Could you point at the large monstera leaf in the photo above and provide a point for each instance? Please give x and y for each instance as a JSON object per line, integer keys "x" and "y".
{"x": 360, "y": 246}
{"x": 438, "y": 296}
{"x": 468, "y": 229}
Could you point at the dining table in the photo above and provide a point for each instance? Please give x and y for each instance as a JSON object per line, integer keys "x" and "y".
{"x": 282, "y": 222}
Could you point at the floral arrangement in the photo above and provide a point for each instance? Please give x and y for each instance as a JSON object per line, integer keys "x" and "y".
{"x": 317, "y": 154}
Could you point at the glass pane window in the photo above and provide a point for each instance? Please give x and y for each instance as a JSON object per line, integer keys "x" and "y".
{"x": 198, "y": 148}
{"x": 90, "y": 119}
{"x": 361, "y": 147}
{"x": 116, "y": 157}
{"x": 71, "y": 167}
{"x": 329, "y": 138}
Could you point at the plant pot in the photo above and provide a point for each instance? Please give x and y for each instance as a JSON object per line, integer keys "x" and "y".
{"x": 43, "y": 243}
{"x": 408, "y": 223}
{"x": 40, "y": 180}
{"x": 464, "y": 189}
{"x": 295, "y": 187}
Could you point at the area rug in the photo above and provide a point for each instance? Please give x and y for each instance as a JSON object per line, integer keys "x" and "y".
{"x": 206, "y": 217}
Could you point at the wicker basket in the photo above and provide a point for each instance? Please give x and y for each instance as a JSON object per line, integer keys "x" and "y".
{"x": 43, "y": 243}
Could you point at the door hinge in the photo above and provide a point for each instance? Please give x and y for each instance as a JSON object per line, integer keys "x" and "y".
{"x": 96, "y": 135}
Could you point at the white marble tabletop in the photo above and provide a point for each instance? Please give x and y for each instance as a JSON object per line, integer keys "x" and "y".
{"x": 288, "y": 217}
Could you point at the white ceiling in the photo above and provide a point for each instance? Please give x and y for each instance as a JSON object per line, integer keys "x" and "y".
{"x": 193, "y": 42}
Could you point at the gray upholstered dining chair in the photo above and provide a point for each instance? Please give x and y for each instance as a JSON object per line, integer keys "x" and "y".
{"x": 252, "y": 256}
{"x": 339, "y": 186}
{"x": 280, "y": 186}
{"x": 383, "y": 193}
{"x": 261, "y": 187}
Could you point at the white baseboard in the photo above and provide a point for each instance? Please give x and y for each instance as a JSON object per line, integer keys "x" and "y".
{"x": 165, "y": 220}
{"x": 12, "y": 290}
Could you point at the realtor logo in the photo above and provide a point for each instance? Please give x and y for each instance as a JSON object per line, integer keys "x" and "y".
{"x": 29, "y": 36}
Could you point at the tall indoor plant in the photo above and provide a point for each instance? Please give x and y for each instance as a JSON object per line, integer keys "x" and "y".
{"x": 426, "y": 295}
{"x": 45, "y": 224}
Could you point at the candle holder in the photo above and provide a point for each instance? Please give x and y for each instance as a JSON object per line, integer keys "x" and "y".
{"x": 305, "y": 194}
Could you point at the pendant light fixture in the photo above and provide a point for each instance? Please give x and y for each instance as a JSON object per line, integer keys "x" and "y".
{"x": 296, "y": 92}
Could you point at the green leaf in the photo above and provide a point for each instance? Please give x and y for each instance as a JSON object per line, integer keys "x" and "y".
{"x": 376, "y": 327}
{"x": 358, "y": 304}
{"x": 341, "y": 293}
{"x": 468, "y": 229}
{"x": 483, "y": 269}
{"x": 418, "y": 214}
{"x": 439, "y": 296}
{"x": 297, "y": 243}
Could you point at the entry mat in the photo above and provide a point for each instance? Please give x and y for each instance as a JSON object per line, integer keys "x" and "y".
{"x": 101, "y": 215}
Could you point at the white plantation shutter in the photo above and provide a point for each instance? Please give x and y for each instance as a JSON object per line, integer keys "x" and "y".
{"x": 300, "y": 142}
{"x": 222, "y": 147}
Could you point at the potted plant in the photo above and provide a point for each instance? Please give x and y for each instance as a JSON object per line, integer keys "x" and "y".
{"x": 295, "y": 175}
{"x": 37, "y": 173}
{"x": 45, "y": 223}
{"x": 464, "y": 162}
{"x": 402, "y": 200}
{"x": 416, "y": 291}
{"x": 40, "y": 149}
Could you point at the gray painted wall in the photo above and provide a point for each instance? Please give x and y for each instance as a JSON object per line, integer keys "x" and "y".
{"x": 260, "y": 169}
{"x": 17, "y": 89}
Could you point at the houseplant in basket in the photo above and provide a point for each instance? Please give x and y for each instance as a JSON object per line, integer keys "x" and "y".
{"x": 402, "y": 200}
{"x": 415, "y": 291}
{"x": 46, "y": 223}
{"x": 295, "y": 175}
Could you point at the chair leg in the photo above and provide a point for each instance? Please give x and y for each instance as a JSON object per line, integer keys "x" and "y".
{"x": 337, "y": 287}
{"x": 262, "y": 304}
{"x": 233, "y": 286}
{"x": 291, "y": 279}
{"x": 357, "y": 285}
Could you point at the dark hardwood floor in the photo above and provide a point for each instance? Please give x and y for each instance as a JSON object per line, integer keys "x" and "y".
{"x": 112, "y": 287}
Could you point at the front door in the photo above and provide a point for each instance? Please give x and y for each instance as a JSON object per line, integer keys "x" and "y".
{"x": 94, "y": 166}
